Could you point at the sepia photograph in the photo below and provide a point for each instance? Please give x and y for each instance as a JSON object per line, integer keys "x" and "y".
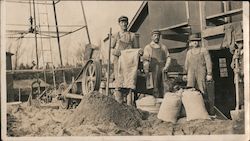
{"x": 124, "y": 70}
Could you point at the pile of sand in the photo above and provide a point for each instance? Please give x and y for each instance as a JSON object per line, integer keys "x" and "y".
{"x": 99, "y": 115}
{"x": 23, "y": 120}
{"x": 97, "y": 109}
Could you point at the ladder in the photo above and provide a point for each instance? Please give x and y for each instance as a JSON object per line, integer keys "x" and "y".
{"x": 46, "y": 50}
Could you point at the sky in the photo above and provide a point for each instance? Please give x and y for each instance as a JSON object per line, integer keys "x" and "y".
{"x": 100, "y": 16}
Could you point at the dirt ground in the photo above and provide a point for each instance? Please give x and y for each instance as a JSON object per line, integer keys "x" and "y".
{"x": 23, "y": 120}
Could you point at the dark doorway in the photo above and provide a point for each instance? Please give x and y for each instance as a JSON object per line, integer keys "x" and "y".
{"x": 224, "y": 81}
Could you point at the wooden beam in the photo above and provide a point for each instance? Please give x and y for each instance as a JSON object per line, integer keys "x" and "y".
{"x": 214, "y": 47}
{"x": 144, "y": 3}
{"x": 222, "y": 15}
{"x": 176, "y": 37}
{"x": 174, "y": 26}
{"x": 74, "y": 96}
{"x": 217, "y": 30}
{"x": 39, "y": 70}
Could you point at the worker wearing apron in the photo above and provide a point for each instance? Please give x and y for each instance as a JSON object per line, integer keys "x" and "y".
{"x": 156, "y": 60}
{"x": 198, "y": 64}
{"x": 122, "y": 40}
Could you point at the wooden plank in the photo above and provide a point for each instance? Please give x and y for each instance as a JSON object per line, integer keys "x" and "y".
{"x": 39, "y": 70}
{"x": 214, "y": 47}
{"x": 222, "y": 15}
{"x": 74, "y": 96}
{"x": 217, "y": 30}
{"x": 14, "y": 103}
{"x": 174, "y": 26}
{"x": 176, "y": 37}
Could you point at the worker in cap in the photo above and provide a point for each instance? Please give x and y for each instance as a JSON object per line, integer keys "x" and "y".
{"x": 237, "y": 65}
{"x": 198, "y": 64}
{"x": 122, "y": 40}
{"x": 156, "y": 59}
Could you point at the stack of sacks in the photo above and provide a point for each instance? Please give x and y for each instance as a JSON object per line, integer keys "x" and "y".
{"x": 171, "y": 107}
{"x": 149, "y": 103}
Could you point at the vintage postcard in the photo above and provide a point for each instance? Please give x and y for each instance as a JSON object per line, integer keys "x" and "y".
{"x": 124, "y": 70}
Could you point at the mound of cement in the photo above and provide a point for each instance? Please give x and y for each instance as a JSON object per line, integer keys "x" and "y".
{"x": 97, "y": 109}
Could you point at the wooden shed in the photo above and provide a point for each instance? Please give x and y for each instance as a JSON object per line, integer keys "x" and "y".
{"x": 177, "y": 19}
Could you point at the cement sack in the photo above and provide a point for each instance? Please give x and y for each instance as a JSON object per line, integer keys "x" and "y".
{"x": 194, "y": 105}
{"x": 149, "y": 103}
{"x": 170, "y": 107}
{"x": 146, "y": 101}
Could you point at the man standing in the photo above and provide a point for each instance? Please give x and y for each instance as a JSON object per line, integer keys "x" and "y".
{"x": 156, "y": 59}
{"x": 198, "y": 64}
{"x": 122, "y": 40}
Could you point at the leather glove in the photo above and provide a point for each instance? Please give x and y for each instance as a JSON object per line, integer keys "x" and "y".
{"x": 209, "y": 77}
{"x": 140, "y": 52}
{"x": 116, "y": 52}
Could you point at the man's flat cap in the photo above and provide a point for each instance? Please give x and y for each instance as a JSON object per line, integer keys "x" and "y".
{"x": 123, "y": 18}
{"x": 156, "y": 31}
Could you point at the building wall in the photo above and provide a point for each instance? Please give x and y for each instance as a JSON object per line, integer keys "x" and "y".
{"x": 164, "y": 14}
{"x": 160, "y": 15}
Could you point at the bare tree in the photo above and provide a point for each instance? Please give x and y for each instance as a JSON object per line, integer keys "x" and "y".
{"x": 17, "y": 52}
{"x": 80, "y": 53}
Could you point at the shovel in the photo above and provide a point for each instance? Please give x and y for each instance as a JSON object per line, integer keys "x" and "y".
{"x": 237, "y": 114}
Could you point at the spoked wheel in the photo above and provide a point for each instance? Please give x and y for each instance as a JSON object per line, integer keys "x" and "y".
{"x": 91, "y": 77}
{"x": 64, "y": 101}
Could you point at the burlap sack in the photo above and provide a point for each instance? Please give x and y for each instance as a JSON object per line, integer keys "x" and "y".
{"x": 194, "y": 105}
{"x": 170, "y": 107}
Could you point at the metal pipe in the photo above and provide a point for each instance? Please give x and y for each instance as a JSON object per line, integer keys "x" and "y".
{"x": 34, "y": 12}
{"x": 84, "y": 16}
{"x": 58, "y": 40}
{"x": 108, "y": 69}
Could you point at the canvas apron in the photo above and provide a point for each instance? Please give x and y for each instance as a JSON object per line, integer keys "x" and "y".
{"x": 157, "y": 62}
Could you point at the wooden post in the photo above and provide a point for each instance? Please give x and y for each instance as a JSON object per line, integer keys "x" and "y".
{"x": 108, "y": 69}
{"x": 84, "y": 17}
{"x": 225, "y": 9}
{"x": 58, "y": 40}
{"x": 202, "y": 22}
{"x": 187, "y": 10}
{"x": 34, "y": 12}
{"x": 19, "y": 94}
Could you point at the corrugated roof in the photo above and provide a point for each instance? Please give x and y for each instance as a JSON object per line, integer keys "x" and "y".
{"x": 24, "y": 84}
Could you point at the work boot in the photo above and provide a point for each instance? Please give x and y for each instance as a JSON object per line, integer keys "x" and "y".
{"x": 118, "y": 96}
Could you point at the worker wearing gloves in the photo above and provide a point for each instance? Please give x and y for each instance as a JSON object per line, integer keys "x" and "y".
{"x": 122, "y": 40}
{"x": 156, "y": 59}
{"x": 198, "y": 64}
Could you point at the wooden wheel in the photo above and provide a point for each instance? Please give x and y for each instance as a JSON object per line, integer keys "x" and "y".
{"x": 91, "y": 77}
